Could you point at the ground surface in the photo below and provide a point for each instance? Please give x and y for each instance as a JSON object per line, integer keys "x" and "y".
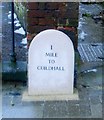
{"x": 89, "y": 104}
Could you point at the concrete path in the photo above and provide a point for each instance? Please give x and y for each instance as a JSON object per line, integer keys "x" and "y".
{"x": 89, "y": 104}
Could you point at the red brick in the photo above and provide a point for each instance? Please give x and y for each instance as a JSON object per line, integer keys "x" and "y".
{"x": 40, "y": 13}
{"x": 42, "y": 5}
{"x": 62, "y": 6}
{"x": 51, "y": 21}
{"x": 42, "y": 21}
{"x": 45, "y": 21}
{"x": 49, "y": 13}
{"x": 35, "y": 13}
{"x": 37, "y": 28}
{"x": 51, "y": 6}
{"x": 32, "y": 5}
{"x": 32, "y": 21}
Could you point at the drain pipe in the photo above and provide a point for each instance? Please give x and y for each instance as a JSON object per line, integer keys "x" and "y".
{"x": 13, "y": 54}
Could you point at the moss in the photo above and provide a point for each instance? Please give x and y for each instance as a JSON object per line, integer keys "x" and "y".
{"x": 73, "y": 23}
{"x": 86, "y": 15}
{"x": 69, "y": 23}
{"x": 102, "y": 4}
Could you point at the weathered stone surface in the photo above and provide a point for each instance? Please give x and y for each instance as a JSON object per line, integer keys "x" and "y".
{"x": 51, "y": 64}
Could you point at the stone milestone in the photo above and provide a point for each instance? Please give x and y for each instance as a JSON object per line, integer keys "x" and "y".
{"x": 51, "y": 64}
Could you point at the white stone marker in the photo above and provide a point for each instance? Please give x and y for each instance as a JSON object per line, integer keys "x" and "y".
{"x": 51, "y": 64}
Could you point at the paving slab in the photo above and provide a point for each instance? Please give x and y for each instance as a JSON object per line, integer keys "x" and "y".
{"x": 73, "y": 109}
{"x": 56, "y": 109}
{"x": 14, "y": 108}
{"x": 96, "y": 112}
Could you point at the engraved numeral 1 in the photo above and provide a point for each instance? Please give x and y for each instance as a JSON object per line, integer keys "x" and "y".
{"x": 51, "y": 47}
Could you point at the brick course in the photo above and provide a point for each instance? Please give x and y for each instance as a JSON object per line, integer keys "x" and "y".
{"x": 50, "y": 15}
{"x": 41, "y": 14}
{"x": 32, "y": 6}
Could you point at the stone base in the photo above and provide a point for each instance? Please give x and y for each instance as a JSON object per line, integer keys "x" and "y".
{"x": 26, "y": 97}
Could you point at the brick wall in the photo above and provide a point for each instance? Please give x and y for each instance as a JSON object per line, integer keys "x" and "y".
{"x": 38, "y": 16}
{"x": 45, "y": 15}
